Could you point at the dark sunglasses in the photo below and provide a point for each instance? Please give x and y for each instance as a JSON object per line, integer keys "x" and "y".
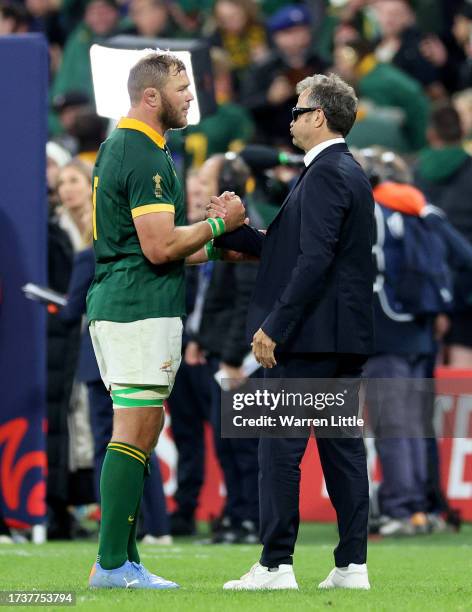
{"x": 301, "y": 110}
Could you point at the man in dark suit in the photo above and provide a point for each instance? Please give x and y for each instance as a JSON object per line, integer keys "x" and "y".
{"x": 312, "y": 317}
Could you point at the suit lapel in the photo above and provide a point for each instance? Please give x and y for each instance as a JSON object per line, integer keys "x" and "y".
{"x": 285, "y": 202}
{"x": 336, "y": 148}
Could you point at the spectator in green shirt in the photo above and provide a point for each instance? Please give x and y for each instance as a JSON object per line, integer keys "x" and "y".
{"x": 101, "y": 20}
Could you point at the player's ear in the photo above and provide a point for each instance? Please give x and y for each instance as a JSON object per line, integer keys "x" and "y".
{"x": 151, "y": 97}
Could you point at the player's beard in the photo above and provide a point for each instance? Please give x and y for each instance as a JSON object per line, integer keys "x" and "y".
{"x": 170, "y": 117}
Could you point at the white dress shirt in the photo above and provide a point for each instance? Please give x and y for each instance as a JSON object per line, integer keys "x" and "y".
{"x": 316, "y": 150}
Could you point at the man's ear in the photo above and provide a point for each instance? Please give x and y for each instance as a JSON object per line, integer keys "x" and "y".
{"x": 319, "y": 118}
{"x": 151, "y": 97}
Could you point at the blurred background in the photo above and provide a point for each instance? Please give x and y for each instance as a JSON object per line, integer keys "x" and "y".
{"x": 410, "y": 62}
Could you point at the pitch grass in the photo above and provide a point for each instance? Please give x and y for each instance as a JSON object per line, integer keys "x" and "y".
{"x": 426, "y": 573}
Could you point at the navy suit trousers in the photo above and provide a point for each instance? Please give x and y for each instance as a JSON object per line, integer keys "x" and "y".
{"x": 344, "y": 465}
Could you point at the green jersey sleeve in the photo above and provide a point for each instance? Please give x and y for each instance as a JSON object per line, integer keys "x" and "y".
{"x": 149, "y": 186}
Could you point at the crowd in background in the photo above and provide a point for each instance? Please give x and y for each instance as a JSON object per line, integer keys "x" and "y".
{"x": 410, "y": 62}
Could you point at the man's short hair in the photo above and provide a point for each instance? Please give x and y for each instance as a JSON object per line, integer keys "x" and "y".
{"x": 446, "y": 122}
{"x": 336, "y": 98}
{"x": 17, "y": 13}
{"x": 152, "y": 71}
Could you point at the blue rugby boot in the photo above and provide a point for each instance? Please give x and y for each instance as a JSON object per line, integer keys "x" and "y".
{"x": 128, "y": 576}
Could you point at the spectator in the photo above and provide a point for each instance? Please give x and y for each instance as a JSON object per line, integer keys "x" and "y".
{"x": 101, "y": 20}
{"x": 221, "y": 336}
{"x": 89, "y": 130}
{"x": 66, "y": 106}
{"x": 444, "y": 173}
{"x": 190, "y": 400}
{"x": 462, "y": 31}
{"x": 450, "y": 53}
{"x": 74, "y": 188}
{"x": 403, "y": 345}
{"x": 400, "y": 44}
{"x": 462, "y": 102}
{"x": 56, "y": 158}
{"x": 151, "y": 18}
{"x": 14, "y": 19}
{"x": 239, "y": 32}
{"x": 46, "y": 18}
{"x": 343, "y": 22}
{"x": 269, "y": 88}
{"x": 227, "y": 129}
{"x": 190, "y": 15}
{"x": 62, "y": 351}
{"x": 385, "y": 85}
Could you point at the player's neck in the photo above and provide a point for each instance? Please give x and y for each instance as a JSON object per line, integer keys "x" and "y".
{"x": 148, "y": 118}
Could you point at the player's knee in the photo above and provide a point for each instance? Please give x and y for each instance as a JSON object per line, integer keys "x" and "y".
{"x": 138, "y": 414}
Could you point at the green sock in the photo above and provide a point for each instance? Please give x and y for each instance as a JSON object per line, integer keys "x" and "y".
{"x": 121, "y": 487}
{"x": 133, "y": 553}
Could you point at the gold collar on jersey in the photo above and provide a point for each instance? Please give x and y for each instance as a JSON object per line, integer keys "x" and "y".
{"x": 140, "y": 126}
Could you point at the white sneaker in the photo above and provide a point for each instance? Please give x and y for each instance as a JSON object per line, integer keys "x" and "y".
{"x": 164, "y": 540}
{"x": 260, "y": 577}
{"x": 397, "y": 527}
{"x": 353, "y": 577}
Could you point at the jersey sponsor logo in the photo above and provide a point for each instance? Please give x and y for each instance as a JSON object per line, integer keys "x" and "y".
{"x": 157, "y": 185}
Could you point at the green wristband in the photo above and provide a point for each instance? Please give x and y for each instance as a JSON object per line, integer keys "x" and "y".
{"x": 221, "y": 225}
{"x": 212, "y": 252}
{"x": 217, "y": 226}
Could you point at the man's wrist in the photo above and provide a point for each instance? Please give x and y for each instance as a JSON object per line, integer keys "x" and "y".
{"x": 217, "y": 224}
{"x": 213, "y": 253}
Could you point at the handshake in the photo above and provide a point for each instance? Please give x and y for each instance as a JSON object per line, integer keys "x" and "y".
{"x": 227, "y": 206}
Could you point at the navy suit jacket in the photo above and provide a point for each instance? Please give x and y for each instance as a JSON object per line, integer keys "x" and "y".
{"x": 315, "y": 283}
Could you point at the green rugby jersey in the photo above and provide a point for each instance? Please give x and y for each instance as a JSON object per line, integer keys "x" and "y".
{"x": 134, "y": 175}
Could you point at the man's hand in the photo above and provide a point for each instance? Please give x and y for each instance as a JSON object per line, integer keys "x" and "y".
{"x": 263, "y": 348}
{"x": 280, "y": 90}
{"x": 194, "y": 355}
{"x": 236, "y": 257}
{"x": 216, "y": 207}
{"x": 442, "y": 324}
{"x": 235, "y": 376}
{"x": 230, "y": 208}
